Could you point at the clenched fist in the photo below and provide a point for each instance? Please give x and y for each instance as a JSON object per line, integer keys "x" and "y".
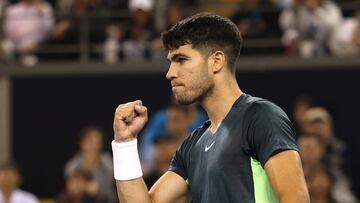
{"x": 129, "y": 120}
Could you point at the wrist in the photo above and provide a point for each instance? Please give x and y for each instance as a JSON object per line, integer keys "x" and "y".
{"x": 124, "y": 140}
{"x": 120, "y": 139}
{"x": 126, "y": 160}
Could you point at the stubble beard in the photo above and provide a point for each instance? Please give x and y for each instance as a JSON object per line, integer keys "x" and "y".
{"x": 196, "y": 95}
{"x": 185, "y": 100}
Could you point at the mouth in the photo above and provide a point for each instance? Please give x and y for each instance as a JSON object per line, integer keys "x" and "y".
{"x": 173, "y": 84}
{"x": 175, "y": 87}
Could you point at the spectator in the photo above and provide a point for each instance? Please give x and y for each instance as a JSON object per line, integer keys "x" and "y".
{"x": 318, "y": 122}
{"x": 318, "y": 179}
{"x": 10, "y": 180}
{"x": 249, "y": 19}
{"x": 112, "y": 45}
{"x": 135, "y": 45}
{"x": 345, "y": 40}
{"x": 79, "y": 188}
{"x": 144, "y": 5}
{"x": 282, "y": 4}
{"x": 82, "y": 7}
{"x": 164, "y": 149}
{"x": 307, "y": 26}
{"x": 175, "y": 120}
{"x": 71, "y": 15}
{"x": 320, "y": 186}
{"x": 92, "y": 158}
{"x": 26, "y": 25}
{"x": 173, "y": 12}
{"x": 312, "y": 152}
{"x": 301, "y": 105}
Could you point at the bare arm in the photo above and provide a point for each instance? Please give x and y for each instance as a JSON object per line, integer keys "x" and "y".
{"x": 170, "y": 188}
{"x": 287, "y": 178}
{"x": 129, "y": 119}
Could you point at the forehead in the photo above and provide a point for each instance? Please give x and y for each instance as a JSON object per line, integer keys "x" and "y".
{"x": 186, "y": 50}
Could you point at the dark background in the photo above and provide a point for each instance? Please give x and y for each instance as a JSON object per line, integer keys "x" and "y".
{"x": 48, "y": 112}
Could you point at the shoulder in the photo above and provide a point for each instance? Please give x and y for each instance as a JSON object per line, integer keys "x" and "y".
{"x": 260, "y": 111}
{"x": 25, "y": 196}
{"x": 73, "y": 164}
{"x": 75, "y": 160}
{"x": 259, "y": 106}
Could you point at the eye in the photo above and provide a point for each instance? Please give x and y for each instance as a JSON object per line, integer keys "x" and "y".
{"x": 181, "y": 60}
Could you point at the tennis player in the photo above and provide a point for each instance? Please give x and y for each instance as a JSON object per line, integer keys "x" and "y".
{"x": 245, "y": 153}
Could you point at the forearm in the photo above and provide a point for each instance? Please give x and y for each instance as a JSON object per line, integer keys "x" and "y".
{"x": 133, "y": 191}
{"x": 128, "y": 174}
{"x": 300, "y": 197}
{"x": 129, "y": 119}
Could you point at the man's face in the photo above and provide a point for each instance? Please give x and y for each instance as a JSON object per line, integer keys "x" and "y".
{"x": 311, "y": 152}
{"x": 9, "y": 179}
{"x": 319, "y": 128}
{"x": 92, "y": 143}
{"x": 190, "y": 75}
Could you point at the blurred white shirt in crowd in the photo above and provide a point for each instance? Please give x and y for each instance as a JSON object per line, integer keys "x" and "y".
{"x": 145, "y": 5}
{"x": 310, "y": 27}
{"x": 341, "y": 42}
{"x": 20, "y": 196}
{"x": 27, "y": 24}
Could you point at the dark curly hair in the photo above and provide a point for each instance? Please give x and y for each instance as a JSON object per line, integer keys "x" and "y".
{"x": 206, "y": 32}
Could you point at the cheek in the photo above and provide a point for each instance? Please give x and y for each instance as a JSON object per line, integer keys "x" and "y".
{"x": 201, "y": 78}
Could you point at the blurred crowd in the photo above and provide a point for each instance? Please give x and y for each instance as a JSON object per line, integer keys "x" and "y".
{"x": 129, "y": 30}
{"x": 88, "y": 175}
{"x": 325, "y": 159}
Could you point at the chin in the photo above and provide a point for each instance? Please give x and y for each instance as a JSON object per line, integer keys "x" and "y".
{"x": 184, "y": 100}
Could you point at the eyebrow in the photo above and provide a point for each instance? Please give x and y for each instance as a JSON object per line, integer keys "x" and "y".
{"x": 175, "y": 57}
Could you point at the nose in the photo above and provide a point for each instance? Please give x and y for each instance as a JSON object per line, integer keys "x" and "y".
{"x": 171, "y": 74}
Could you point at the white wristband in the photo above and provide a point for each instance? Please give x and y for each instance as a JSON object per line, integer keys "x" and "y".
{"x": 126, "y": 160}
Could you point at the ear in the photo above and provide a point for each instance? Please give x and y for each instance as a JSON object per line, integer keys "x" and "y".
{"x": 217, "y": 61}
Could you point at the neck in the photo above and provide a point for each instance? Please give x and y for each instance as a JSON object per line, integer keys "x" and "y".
{"x": 220, "y": 101}
{"x": 7, "y": 194}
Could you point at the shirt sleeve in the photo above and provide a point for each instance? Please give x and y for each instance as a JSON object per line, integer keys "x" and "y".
{"x": 178, "y": 164}
{"x": 270, "y": 131}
